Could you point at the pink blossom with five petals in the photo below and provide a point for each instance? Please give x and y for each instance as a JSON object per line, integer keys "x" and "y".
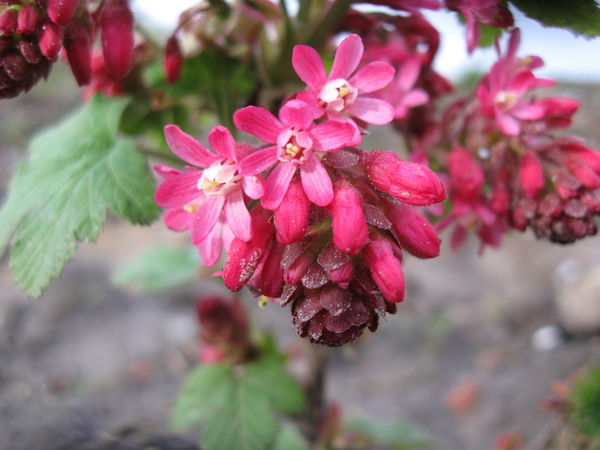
{"x": 210, "y": 202}
{"x": 341, "y": 91}
{"x": 296, "y": 140}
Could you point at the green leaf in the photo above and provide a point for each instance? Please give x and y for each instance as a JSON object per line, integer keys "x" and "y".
{"x": 581, "y": 17}
{"x": 290, "y": 438}
{"x": 487, "y": 35}
{"x": 585, "y": 396}
{"x": 269, "y": 377}
{"x": 225, "y": 83}
{"x": 60, "y": 196}
{"x": 236, "y": 406}
{"x": 161, "y": 268}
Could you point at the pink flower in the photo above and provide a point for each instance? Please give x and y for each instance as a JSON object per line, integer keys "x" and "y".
{"x": 485, "y": 12}
{"x": 340, "y": 92}
{"x": 501, "y": 92}
{"x": 296, "y": 140}
{"x": 207, "y": 201}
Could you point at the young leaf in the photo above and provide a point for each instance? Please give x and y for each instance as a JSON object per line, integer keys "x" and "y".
{"x": 161, "y": 268}
{"x": 581, "y": 17}
{"x": 236, "y": 407}
{"x": 60, "y": 196}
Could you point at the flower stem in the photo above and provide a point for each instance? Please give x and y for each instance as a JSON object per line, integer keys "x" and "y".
{"x": 310, "y": 419}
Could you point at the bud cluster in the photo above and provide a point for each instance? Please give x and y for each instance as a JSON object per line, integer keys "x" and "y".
{"x": 32, "y": 34}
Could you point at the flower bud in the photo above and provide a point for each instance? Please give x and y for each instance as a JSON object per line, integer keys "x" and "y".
{"x": 51, "y": 39}
{"x": 61, "y": 11}
{"x": 116, "y": 21}
{"x": 584, "y": 173}
{"x": 386, "y": 269}
{"x": 466, "y": 174}
{"x": 173, "y": 60}
{"x": 500, "y": 202}
{"x": 15, "y": 65}
{"x": 78, "y": 44}
{"x": 531, "y": 174}
{"x": 244, "y": 257}
{"x": 291, "y": 216}
{"x": 29, "y": 18}
{"x": 29, "y": 48}
{"x": 9, "y": 21}
{"x": 224, "y": 327}
{"x": 271, "y": 275}
{"x": 410, "y": 183}
{"x": 413, "y": 231}
{"x": 350, "y": 230}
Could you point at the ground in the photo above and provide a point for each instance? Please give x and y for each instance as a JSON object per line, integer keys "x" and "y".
{"x": 93, "y": 366}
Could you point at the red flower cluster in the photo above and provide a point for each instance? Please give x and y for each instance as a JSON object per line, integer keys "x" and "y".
{"x": 507, "y": 169}
{"x": 329, "y": 231}
{"x": 33, "y": 33}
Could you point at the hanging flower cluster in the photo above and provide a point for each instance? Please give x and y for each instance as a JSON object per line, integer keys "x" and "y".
{"x": 33, "y": 33}
{"x": 309, "y": 219}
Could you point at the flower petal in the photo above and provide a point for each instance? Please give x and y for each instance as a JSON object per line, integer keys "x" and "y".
{"x": 254, "y": 187}
{"x": 258, "y": 161}
{"x": 347, "y": 57}
{"x": 237, "y": 215}
{"x": 166, "y": 172}
{"x": 372, "y": 77}
{"x": 178, "y": 219}
{"x": 222, "y": 142}
{"x": 309, "y": 66}
{"x": 372, "y": 110}
{"x": 332, "y": 135}
{"x": 277, "y": 184}
{"x": 179, "y": 190}
{"x": 188, "y": 148}
{"x": 211, "y": 248}
{"x": 408, "y": 73}
{"x": 206, "y": 217}
{"x": 296, "y": 114}
{"x": 316, "y": 181}
{"x": 259, "y": 122}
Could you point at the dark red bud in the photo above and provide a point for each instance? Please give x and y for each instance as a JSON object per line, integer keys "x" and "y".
{"x": 15, "y": 65}
{"x": 78, "y": 44}
{"x": 30, "y": 49}
{"x": 9, "y": 21}
{"x": 173, "y": 60}
{"x": 117, "y": 21}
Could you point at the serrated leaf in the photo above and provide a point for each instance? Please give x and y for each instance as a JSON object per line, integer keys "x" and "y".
{"x": 581, "y": 17}
{"x": 161, "y": 268}
{"x": 60, "y": 196}
{"x": 205, "y": 389}
{"x": 236, "y": 407}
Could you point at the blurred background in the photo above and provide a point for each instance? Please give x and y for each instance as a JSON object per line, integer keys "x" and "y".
{"x": 470, "y": 355}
